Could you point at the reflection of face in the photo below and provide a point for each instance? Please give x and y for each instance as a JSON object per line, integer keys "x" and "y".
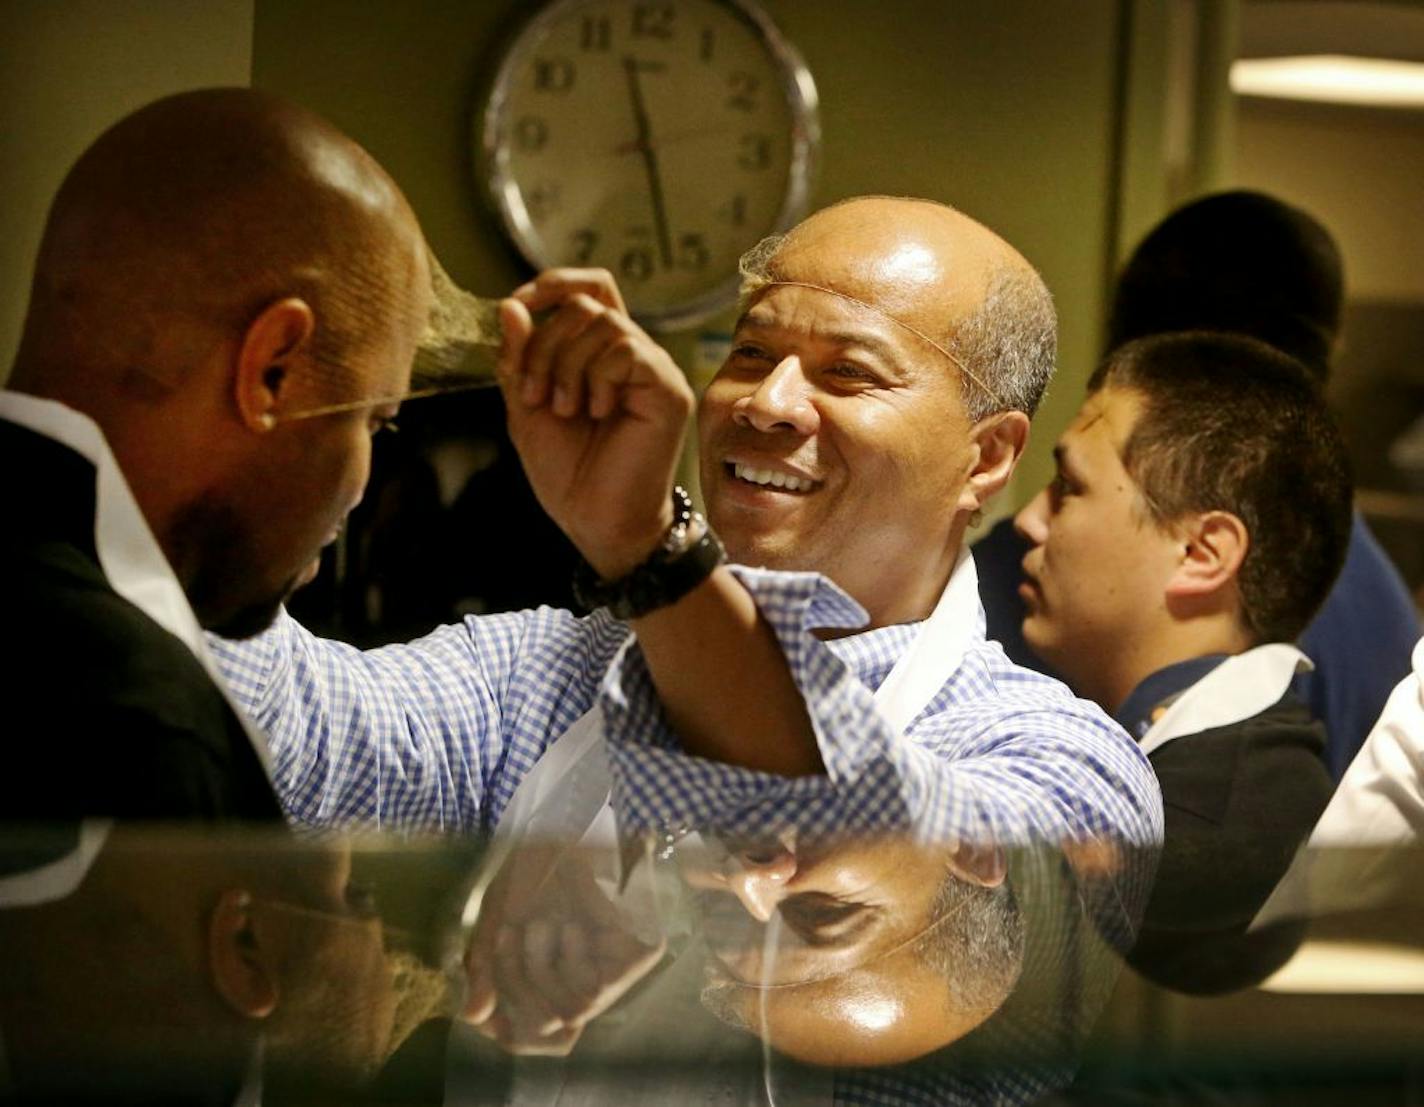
{"x": 816, "y": 951}
{"x": 265, "y": 540}
{"x": 833, "y": 439}
{"x": 1096, "y": 576}
{"x": 337, "y": 1009}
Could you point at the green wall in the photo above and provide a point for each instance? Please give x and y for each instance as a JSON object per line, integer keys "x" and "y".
{"x": 1009, "y": 110}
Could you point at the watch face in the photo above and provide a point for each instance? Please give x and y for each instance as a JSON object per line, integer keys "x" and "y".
{"x": 659, "y": 140}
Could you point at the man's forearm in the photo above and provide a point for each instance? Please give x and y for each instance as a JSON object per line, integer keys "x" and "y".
{"x": 724, "y": 682}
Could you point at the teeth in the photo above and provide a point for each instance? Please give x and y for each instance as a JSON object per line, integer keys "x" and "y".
{"x": 775, "y": 479}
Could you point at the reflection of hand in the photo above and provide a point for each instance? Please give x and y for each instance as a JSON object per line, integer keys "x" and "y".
{"x": 597, "y": 411}
{"x": 549, "y": 954}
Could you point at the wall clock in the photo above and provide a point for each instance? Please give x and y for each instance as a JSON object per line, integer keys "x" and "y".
{"x": 659, "y": 140}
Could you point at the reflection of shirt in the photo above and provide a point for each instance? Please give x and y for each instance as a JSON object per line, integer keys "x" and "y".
{"x": 437, "y": 734}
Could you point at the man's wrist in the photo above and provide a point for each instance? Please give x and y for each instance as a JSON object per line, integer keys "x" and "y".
{"x": 685, "y": 555}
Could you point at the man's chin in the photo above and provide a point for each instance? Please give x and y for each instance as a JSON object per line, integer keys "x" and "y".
{"x": 249, "y": 621}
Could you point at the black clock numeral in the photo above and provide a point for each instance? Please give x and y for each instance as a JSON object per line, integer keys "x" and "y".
{"x": 707, "y": 44}
{"x": 653, "y": 20}
{"x": 584, "y": 242}
{"x": 692, "y": 252}
{"x": 734, "y": 211}
{"x": 755, "y": 151}
{"x": 744, "y": 89}
{"x": 531, "y": 134}
{"x": 553, "y": 74}
{"x": 595, "y": 33}
{"x": 636, "y": 264}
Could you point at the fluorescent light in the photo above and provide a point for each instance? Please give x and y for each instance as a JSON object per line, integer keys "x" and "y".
{"x": 1334, "y": 78}
{"x": 1353, "y": 968}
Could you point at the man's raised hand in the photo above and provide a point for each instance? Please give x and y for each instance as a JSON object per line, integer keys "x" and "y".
{"x": 597, "y": 411}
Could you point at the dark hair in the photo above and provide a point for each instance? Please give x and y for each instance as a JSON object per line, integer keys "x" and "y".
{"x": 1241, "y": 262}
{"x": 1230, "y": 424}
{"x": 975, "y": 942}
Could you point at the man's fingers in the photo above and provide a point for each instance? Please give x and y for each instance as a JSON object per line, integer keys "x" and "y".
{"x": 544, "y": 965}
{"x": 622, "y": 961}
{"x": 516, "y": 326}
{"x": 555, "y": 285}
{"x": 481, "y": 998}
{"x": 520, "y": 1000}
{"x": 547, "y": 345}
{"x": 579, "y": 372}
{"x": 576, "y": 956}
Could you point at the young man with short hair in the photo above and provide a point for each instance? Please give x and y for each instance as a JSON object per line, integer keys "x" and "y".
{"x": 1200, "y": 514}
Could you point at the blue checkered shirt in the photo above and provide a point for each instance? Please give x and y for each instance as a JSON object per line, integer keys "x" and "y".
{"x": 438, "y": 733}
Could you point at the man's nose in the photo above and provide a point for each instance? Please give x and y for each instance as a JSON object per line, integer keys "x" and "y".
{"x": 780, "y": 401}
{"x": 1032, "y": 520}
{"x": 759, "y": 877}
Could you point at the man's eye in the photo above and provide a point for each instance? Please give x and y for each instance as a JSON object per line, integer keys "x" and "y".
{"x": 1060, "y": 486}
{"x": 749, "y": 351}
{"x": 844, "y": 371}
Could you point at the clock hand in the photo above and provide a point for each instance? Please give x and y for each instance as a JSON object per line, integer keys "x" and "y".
{"x": 650, "y": 160}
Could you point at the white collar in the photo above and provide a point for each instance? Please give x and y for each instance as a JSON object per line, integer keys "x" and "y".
{"x": 131, "y": 558}
{"x": 1237, "y": 689}
{"x": 938, "y": 648}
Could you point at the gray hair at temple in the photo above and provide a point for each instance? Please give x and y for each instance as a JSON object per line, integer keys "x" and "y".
{"x": 1007, "y": 346}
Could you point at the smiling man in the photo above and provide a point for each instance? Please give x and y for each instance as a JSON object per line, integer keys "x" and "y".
{"x": 1199, "y": 516}
{"x": 877, "y": 395}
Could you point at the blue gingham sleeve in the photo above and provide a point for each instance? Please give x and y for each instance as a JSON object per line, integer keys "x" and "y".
{"x": 1000, "y": 755}
{"x": 432, "y": 735}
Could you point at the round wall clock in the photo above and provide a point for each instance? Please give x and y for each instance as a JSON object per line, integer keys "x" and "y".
{"x": 659, "y": 140}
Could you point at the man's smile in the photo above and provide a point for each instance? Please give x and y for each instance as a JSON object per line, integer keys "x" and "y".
{"x": 771, "y": 476}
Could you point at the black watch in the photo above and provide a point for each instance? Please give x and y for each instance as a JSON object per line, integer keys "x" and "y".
{"x": 688, "y": 554}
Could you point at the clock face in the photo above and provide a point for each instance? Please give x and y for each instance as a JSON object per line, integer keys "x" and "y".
{"x": 659, "y": 140}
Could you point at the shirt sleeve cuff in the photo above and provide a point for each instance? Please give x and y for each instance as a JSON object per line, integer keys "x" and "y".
{"x": 656, "y": 786}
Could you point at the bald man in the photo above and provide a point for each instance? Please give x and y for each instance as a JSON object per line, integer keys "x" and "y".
{"x": 878, "y": 393}
{"x": 225, "y": 306}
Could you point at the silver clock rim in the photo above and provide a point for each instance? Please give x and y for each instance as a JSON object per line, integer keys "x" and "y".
{"x": 797, "y": 85}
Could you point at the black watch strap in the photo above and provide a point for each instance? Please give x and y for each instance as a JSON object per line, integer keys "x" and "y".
{"x": 683, "y": 561}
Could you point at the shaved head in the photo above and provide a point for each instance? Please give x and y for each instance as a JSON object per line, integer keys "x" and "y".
{"x": 946, "y": 275}
{"x": 217, "y": 267}
{"x": 183, "y": 220}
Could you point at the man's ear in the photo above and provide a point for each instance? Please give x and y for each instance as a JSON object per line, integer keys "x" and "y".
{"x": 271, "y": 342}
{"x": 999, "y": 442}
{"x": 979, "y": 864}
{"x": 1214, "y": 546}
{"x": 242, "y": 964}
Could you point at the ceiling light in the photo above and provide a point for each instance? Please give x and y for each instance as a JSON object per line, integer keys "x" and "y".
{"x": 1334, "y": 78}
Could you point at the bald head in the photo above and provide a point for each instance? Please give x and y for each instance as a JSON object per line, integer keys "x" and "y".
{"x": 182, "y": 221}
{"x": 216, "y": 267}
{"x": 942, "y": 273}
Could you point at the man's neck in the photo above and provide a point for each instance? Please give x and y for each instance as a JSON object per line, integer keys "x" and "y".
{"x": 1114, "y": 682}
